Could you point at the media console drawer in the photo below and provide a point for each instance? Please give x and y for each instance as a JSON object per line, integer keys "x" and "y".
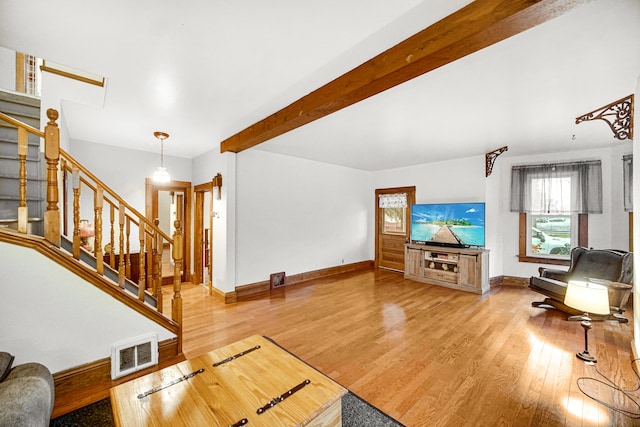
{"x": 448, "y": 276}
{"x": 466, "y": 269}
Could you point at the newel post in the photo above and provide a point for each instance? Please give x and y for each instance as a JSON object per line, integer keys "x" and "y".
{"x": 176, "y": 303}
{"x": 52, "y": 154}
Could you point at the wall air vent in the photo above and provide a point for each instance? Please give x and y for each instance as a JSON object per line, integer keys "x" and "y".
{"x": 277, "y": 280}
{"x": 133, "y": 355}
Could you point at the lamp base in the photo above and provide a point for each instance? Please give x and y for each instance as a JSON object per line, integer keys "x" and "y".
{"x": 586, "y": 357}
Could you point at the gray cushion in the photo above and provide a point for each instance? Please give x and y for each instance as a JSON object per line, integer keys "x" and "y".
{"x": 26, "y": 396}
{"x": 6, "y": 360}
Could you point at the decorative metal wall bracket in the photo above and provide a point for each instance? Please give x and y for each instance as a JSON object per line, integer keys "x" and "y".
{"x": 618, "y": 115}
{"x": 490, "y": 157}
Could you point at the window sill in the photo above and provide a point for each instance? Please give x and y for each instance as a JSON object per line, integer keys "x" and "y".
{"x": 542, "y": 260}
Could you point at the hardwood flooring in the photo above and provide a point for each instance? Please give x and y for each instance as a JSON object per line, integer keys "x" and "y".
{"x": 428, "y": 355}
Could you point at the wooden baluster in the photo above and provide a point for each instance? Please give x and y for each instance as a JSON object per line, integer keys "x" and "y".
{"x": 157, "y": 268}
{"x": 23, "y": 213}
{"x": 121, "y": 252}
{"x": 150, "y": 257}
{"x": 127, "y": 253}
{"x": 176, "y": 302}
{"x": 51, "y": 154}
{"x": 75, "y": 184}
{"x": 142, "y": 257}
{"x": 112, "y": 238}
{"x": 98, "y": 198}
{"x": 65, "y": 203}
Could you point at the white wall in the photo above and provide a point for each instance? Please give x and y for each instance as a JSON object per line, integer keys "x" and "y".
{"x": 463, "y": 180}
{"x": 204, "y": 168}
{"x": 36, "y": 290}
{"x": 124, "y": 171}
{"x": 7, "y": 69}
{"x": 56, "y": 90}
{"x": 601, "y": 226}
{"x": 452, "y": 181}
{"x": 295, "y": 215}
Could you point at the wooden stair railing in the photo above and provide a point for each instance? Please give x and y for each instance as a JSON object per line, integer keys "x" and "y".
{"x": 149, "y": 238}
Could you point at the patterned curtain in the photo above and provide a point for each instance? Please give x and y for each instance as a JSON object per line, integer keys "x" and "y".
{"x": 398, "y": 200}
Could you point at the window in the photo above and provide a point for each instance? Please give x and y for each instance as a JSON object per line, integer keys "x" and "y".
{"x": 551, "y": 235}
{"x": 554, "y": 201}
{"x": 394, "y": 222}
{"x": 394, "y": 207}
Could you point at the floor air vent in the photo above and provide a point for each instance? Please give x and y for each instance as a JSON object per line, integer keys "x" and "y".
{"x": 133, "y": 355}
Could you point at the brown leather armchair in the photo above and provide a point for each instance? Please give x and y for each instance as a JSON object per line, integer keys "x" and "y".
{"x": 608, "y": 267}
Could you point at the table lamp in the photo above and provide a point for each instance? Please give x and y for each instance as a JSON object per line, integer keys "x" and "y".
{"x": 588, "y": 298}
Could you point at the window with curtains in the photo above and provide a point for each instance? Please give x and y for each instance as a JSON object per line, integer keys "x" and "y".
{"x": 554, "y": 201}
{"x": 394, "y": 207}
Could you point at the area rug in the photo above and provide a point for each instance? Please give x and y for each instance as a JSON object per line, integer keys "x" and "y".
{"x": 355, "y": 413}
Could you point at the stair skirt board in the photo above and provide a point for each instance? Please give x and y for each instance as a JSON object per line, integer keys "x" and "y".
{"x": 109, "y": 273}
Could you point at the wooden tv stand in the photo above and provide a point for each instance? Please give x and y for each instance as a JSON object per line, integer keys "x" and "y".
{"x": 465, "y": 269}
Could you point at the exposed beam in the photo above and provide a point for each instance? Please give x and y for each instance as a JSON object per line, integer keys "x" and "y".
{"x": 470, "y": 29}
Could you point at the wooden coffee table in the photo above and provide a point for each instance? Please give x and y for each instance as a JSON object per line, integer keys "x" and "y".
{"x": 252, "y": 382}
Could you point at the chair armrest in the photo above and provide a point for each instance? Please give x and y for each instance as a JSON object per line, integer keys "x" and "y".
{"x": 554, "y": 274}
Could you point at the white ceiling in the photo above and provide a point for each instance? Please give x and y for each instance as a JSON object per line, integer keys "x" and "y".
{"x": 204, "y": 70}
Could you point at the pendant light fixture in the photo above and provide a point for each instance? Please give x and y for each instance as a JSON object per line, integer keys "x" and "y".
{"x": 161, "y": 174}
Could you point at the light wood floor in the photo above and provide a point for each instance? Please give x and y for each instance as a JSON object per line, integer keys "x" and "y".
{"x": 431, "y": 356}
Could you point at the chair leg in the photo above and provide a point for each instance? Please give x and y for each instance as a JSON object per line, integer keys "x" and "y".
{"x": 551, "y": 303}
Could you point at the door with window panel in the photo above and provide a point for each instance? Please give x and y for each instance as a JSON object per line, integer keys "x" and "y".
{"x": 393, "y": 227}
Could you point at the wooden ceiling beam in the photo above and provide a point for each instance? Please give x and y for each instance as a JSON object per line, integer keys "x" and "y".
{"x": 470, "y": 29}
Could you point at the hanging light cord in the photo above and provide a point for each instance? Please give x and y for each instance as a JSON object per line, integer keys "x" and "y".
{"x": 610, "y": 384}
{"x": 161, "y": 152}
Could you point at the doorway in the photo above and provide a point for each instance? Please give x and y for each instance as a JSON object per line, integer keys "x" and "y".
{"x": 203, "y": 234}
{"x": 393, "y": 225}
{"x": 160, "y": 202}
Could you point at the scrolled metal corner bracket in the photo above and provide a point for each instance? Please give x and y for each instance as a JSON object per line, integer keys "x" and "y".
{"x": 618, "y": 115}
{"x": 490, "y": 158}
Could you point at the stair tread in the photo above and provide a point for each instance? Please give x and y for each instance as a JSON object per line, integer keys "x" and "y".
{"x": 20, "y": 98}
{"x": 17, "y": 198}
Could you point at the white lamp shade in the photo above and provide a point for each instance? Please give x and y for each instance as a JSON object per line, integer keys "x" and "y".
{"x": 587, "y": 297}
{"x": 161, "y": 175}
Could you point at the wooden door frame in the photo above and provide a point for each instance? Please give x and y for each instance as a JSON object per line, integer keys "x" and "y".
{"x": 198, "y": 229}
{"x": 411, "y": 192}
{"x": 151, "y": 212}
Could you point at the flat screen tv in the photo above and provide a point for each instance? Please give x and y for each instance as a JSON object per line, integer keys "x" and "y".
{"x": 448, "y": 224}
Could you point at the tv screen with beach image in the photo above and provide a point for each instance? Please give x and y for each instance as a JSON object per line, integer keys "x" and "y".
{"x": 449, "y": 224}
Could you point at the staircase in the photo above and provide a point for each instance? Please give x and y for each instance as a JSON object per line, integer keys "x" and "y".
{"x": 26, "y": 109}
{"x": 33, "y": 184}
